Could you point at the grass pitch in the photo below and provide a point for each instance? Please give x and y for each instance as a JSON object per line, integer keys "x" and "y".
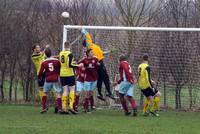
{"x": 28, "y": 120}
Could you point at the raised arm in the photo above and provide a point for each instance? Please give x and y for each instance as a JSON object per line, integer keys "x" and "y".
{"x": 87, "y": 36}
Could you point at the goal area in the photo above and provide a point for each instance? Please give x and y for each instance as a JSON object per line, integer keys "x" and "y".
{"x": 174, "y": 57}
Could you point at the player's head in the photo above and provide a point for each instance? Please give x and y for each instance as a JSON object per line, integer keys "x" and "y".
{"x": 36, "y": 48}
{"x": 145, "y": 57}
{"x": 47, "y": 52}
{"x": 89, "y": 53}
{"x": 84, "y": 43}
{"x": 122, "y": 57}
{"x": 66, "y": 45}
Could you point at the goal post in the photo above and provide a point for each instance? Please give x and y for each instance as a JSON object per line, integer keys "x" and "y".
{"x": 174, "y": 57}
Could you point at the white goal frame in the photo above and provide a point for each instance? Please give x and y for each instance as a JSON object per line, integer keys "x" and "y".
{"x": 166, "y": 29}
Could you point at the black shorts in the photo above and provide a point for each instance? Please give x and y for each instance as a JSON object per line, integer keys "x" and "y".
{"x": 41, "y": 80}
{"x": 149, "y": 92}
{"x": 67, "y": 81}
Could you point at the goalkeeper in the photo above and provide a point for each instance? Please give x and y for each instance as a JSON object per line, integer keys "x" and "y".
{"x": 102, "y": 72}
{"x": 146, "y": 85}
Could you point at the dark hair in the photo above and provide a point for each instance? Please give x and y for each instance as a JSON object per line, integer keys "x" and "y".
{"x": 47, "y": 52}
{"x": 145, "y": 57}
{"x": 67, "y": 44}
{"x": 34, "y": 46}
{"x": 122, "y": 57}
{"x": 84, "y": 43}
{"x": 88, "y": 51}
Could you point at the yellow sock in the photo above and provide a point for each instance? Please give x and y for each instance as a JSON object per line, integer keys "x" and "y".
{"x": 64, "y": 103}
{"x": 146, "y": 105}
{"x": 156, "y": 103}
{"x": 71, "y": 100}
{"x": 41, "y": 93}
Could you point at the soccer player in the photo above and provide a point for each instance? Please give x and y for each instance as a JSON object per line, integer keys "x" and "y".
{"x": 146, "y": 85}
{"x": 91, "y": 65}
{"x": 126, "y": 86}
{"x": 37, "y": 58}
{"x": 67, "y": 78}
{"x": 51, "y": 68}
{"x": 102, "y": 72}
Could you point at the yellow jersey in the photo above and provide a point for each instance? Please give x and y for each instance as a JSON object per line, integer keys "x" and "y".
{"x": 144, "y": 80}
{"x": 37, "y": 59}
{"x": 66, "y": 70}
{"x": 98, "y": 53}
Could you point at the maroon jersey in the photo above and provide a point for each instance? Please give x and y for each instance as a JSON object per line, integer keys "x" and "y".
{"x": 80, "y": 72}
{"x": 125, "y": 72}
{"x": 51, "y": 67}
{"x": 91, "y": 67}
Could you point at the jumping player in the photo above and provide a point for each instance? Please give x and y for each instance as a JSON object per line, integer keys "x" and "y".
{"x": 102, "y": 72}
{"x": 126, "y": 86}
{"x": 146, "y": 85}
{"x": 51, "y": 68}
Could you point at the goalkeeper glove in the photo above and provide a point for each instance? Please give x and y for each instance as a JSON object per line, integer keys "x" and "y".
{"x": 83, "y": 31}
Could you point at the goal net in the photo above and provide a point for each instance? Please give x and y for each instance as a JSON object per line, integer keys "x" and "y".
{"x": 174, "y": 57}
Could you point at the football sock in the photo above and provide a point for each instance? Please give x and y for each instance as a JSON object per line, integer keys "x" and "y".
{"x": 124, "y": 105}
{"x": 156, "y": 104}
{"x": 132, "y": 102}
{"x": 64, "y": 103}
{"x": 76, "y": 102}
{"x": 91, "y": 101}
{"x": 71, "y": 99}
{"x": 41, "y": 93}
{"x": 44, "y": 102}
{"x": 59, "y": 103}
{"x": 85, "y": 105}
{"x": 146, "y": 105}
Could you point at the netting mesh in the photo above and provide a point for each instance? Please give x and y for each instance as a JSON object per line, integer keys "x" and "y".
{"x": 174, "y": 59}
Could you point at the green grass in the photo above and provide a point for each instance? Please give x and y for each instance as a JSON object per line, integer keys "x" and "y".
{"x": 27, "y": 120}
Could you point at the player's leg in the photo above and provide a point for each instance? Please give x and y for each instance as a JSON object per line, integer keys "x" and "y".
{"x": 47, "y": 87}
{"x": 87, "y": 86}
{"x": 79, "y": 90}
{"x": 65, "y": 99}
{"x": 58, "y": 89}
{"x": 122, "y": 92}
{"x": 99, "y": 85}
{"x": 156, "y": 101}
{"x": 106, "y": 81}
{"x": 65, "y": 94}
{"x": 91, "y": 98}
{"x": 41, "y": 82}
{"x": 130, "y": 98}
{"x": 146, "y": 106}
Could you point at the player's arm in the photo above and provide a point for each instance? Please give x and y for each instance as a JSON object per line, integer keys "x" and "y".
{"x": 87, "y": 37}
{"x": 148, "y": 75}
{"x": 72, "y": 63}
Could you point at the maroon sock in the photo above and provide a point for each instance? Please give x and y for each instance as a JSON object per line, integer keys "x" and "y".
{"x": 86, "y": 101}
{"x": 76, "y": 102}
{"x": 44, "y": 102}
{"x": 59, "y": 103}
{"x": 133, "y": 102}
{"x": 91, "y": 101}
{"x": 124, "y": 105}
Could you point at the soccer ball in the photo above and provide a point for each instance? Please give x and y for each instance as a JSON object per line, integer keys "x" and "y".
{"x": 65, "y": 15}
